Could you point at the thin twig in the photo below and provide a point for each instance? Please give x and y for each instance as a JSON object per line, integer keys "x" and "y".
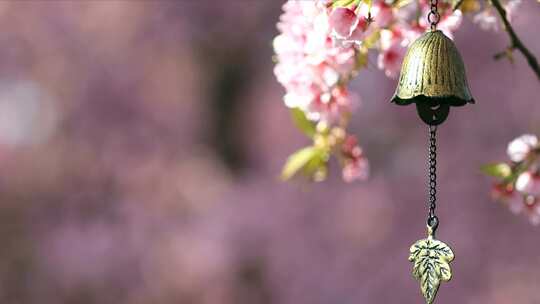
{"x": 458, "y": 4}
{"x": 514, "y": 39}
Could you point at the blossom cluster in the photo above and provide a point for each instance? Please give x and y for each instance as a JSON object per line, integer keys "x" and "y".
{"x": 487, "y": 17}
{"x": 396, "y": 27}
{"x": 309, "y": 65}
{"x": 518, "y": 180}
{"x": 315, "y": 71}
{"x": 323, "y": 44}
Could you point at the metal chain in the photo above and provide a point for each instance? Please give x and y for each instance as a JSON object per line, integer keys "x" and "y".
{"x": 433, "y": 16}
{"x": 432, "y": 220}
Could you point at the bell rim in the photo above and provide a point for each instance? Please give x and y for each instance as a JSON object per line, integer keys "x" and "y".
{"x": 451, "y": 100}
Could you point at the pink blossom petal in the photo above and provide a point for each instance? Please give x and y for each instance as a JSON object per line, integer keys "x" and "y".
{"x": 528, "y": 183}
{"x": 519, "y": 148}
{"x": 390, "y": 60}
{"x": 342, "y": 20}
{"x": 356, "y": 170}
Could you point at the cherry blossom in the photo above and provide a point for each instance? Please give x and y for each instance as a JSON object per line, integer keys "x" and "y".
{"x": 511, "y": 8}
{"x": 308, "y": 65}
{"x": 518, "y": 184}
{"x": 519, "y": 148}
{"x": 533, "y": 212}
{"x": 393, "y": 47}
{"x": 507, "y": 195}
{"x": 381, "y": 12}
{"x": 314, "y": 70}
{"x": 528, "y": 183}
{"x": 343, "y": 22}
{"x": 356, "y": 165}
{"x": 487, "y": 19}
{"x": 322, "y": 44}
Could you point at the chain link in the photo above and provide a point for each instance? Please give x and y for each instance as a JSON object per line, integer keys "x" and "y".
{"x": 432, "y": 221}
{"x": 433, "y": 16}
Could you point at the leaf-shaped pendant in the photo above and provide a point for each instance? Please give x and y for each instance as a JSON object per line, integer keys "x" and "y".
{"x": 431, "y": 260}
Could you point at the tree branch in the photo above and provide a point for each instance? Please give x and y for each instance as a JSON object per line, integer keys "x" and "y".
{"x": 515, "y": 42}
{"x": 457, "y": 5}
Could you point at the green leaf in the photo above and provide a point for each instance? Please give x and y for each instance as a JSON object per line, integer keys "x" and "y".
{"x": 371, "y": 40}
{"x": 498, "y": 170}
{"x": 465, "y": 6}
{"x": 362, "y": 58}
{"x": 299, "y": 160}
{"x": 431, "y": 260}
{"x": 345, "y": 3}
{"x": 368, "y": 3}
{"x": 316, "y": 168}
{"x": 301, "y": 122}
{"x": 401, "y": 3}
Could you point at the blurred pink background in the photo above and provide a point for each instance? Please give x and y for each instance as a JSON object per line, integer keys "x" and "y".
{"x": 141, "y": 141}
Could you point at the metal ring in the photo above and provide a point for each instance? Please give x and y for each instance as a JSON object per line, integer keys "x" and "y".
{"x": 433, "y": 222}
{"x": 434, "y": 14}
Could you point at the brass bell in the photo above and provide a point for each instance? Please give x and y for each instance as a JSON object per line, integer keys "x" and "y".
{"x": 433, "y": 77}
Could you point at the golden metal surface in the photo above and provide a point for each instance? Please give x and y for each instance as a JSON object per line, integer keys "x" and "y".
{"x": 433, "y": 67}
{"x": 431, "y": 259}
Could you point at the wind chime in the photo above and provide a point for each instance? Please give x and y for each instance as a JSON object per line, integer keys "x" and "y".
{"x": 433, "y": 77}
